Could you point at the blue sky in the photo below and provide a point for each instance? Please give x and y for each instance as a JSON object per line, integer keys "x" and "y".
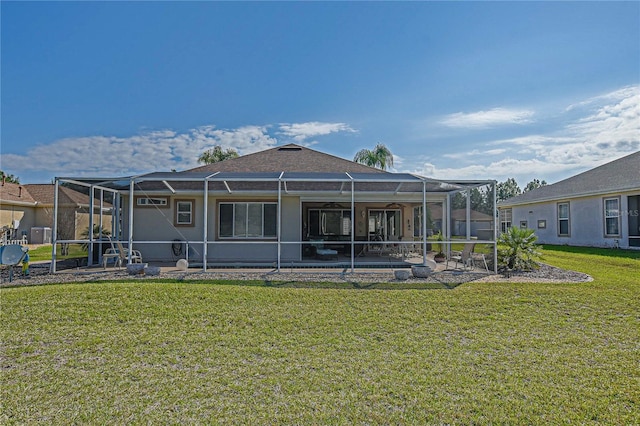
{"x": 464, "y": 90}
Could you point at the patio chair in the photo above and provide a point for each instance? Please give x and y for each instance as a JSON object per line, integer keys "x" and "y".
{"x": 479, "y": 256}
{"x": 111, "y": 253}
{"x": 465, "y": 257}
{"x": 119, "y": 254}
{"x": 398, "y": 249}
{"x": 136, "y": 256}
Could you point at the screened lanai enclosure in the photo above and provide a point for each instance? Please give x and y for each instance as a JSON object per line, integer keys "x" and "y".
{"x": 284, "y": 219}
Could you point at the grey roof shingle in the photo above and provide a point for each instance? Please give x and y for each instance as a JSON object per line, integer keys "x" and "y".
{"x": 41, "y": 194}
{"x": 14, "y": 192}
{"x": 287, "y": 158}
{"x": 622, "y": 174}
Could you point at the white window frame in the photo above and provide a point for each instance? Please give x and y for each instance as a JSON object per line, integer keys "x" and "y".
{"x": 506, "y": 218}
{"x": 234, "y": 235}
{"x": 178, "y": 212}
{"x": 607, "y": 215}
{"x": 161, "y": 202}
{"x": 567, "y": 219}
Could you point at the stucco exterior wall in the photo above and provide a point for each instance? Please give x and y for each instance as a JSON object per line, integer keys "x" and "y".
{"x": 257, "y": 251}
{"x": 586, "y": 225}
{"x": 157, "y": 236}
{"x": 158, "y": 224}
{"x": 24, "y": 214}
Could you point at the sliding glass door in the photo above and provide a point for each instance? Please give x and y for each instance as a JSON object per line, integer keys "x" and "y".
{"x": 385, "y": 225}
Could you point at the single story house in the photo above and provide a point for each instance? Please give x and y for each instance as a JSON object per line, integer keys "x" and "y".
{"x": 598, "y": 208}
{"x": 27, "y": 211}
{"x": 289, "y": 205}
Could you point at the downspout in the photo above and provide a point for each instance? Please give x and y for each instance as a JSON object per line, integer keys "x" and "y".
{"x": 115, "y": 216}
{"x": 353, "y": 221}
{"x": 100, "y": 218}
{"x": 206, "y": 223}
{"x": 424, "y": 223}
{"x": 90, "y": 232}
{"x": 468, "y": 215}
{"x": 495, "y": 229}
{"x": 131, "y": 181}
{"x": 447, "y": 233}
{"x": 279, "y": 219}
{"x": 55, "y": 227}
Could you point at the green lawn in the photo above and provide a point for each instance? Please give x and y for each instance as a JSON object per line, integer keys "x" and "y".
{"x": 481, "y": 353}
{"x": 44, "y": 252}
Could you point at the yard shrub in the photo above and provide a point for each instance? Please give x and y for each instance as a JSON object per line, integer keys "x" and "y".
{"x": 518, "y": 251}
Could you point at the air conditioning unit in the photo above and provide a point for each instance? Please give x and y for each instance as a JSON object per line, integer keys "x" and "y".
{"x": 40, "y": 235}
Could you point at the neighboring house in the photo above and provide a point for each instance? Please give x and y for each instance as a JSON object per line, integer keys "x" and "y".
{"x": 599, "y": 207}
{"x": 26, "y": 212}
{"x": 278, "y": 206}
{"x": 481, "y": 223}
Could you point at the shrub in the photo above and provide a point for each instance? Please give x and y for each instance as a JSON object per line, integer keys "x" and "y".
{"x": 518, "y": 251}
{"x": 96, "y": 235}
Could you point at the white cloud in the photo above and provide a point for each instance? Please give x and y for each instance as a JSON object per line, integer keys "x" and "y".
{"x": 522, "y": 170}
{"x": 475, "y": 153}
{"x": 607, "y": 128}
{"x": 490, "y": 118}
{"x": 300, "y": 132}
{"x": 605, "y": 99}
{"x": 154, "y": 150}
{"x": 141, "y": 153}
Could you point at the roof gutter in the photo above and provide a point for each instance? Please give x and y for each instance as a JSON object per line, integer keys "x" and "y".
{"x": 19, "y": 203}
{"x": 506, "y": 203}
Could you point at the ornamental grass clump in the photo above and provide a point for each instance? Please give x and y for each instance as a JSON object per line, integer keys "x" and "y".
{"x": 518, "y": 251}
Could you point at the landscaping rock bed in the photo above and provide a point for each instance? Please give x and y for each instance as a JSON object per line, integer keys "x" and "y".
{"x": 39, "y": 274}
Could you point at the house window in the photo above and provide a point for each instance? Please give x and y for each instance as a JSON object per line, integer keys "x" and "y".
{"x": 611, "y": 217}
{"x": 563, "y": 220}
{"x": 184, "y": 213}
{"x": 152, "y": 201}
{"x": 505, "y": 219}
{"x": 248, "y": 220}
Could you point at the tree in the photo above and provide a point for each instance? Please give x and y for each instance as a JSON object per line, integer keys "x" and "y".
{"x": 481, "y": 200}
{"x": 9, "y": 178}
{"x": 534, "y": 184}
{"x": 66, "y": 226}
{"x": 217, "y": 154}
{"x": 507, "y": 189}
{"x": 380, "y": 157}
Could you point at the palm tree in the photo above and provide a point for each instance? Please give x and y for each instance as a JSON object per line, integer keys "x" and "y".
{"x": 380, "y": 157}
{"x": 518, "y": 251}
{"x": 216, "y": 154}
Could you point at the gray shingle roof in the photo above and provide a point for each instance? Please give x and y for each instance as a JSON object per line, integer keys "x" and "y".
{"x": 622, "y": 174}
{"x": 44, "y": 194}
{"x": 41, "y": 194}
{"x": 287, "y": 158}
{"x": 14, "y": 192}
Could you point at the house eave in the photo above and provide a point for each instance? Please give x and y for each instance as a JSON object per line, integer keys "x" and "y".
{"x": 19, "y": 203}
{"x": 567, "y": 197}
